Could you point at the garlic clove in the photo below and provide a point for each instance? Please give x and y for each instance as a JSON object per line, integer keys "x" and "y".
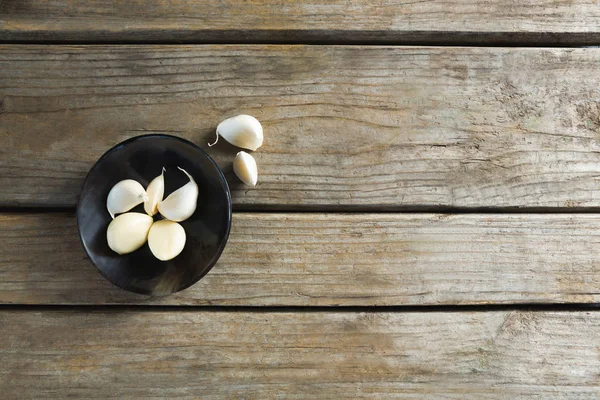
{"x": 242, "y": 131}
{"x": 128, "y": 232}
{"x": 244, "y": 167}
{"x": 166, "y": 239}
{"x": 155, "y": 192}
{"x": 181, "y": 204}
{"x": 124, "y": 196}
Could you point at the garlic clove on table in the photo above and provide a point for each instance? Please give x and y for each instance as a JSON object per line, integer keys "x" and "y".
{"x": 128, "y": 232}
{"x": 155, "y": 192}
{"x": 245, "y": 168}
{"x": 125, "y": 195}
{"x": 181, "y": 204}
{"x": 243, "y": 131}
{"x": 166, "y": 239}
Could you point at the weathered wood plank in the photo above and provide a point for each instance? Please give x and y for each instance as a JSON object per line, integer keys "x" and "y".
{"x": 452, "y": 21}
{"x": 346, "y": 127}
{"x": 215, "y": 355}
{"x": 328, "y": 260}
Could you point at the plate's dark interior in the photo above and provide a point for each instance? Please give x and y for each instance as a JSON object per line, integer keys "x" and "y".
{"x": 142, "y": 159}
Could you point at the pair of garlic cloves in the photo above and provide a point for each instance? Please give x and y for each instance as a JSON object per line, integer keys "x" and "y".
{"x": 166, "y": 238}
{"x": 246, "y": 132}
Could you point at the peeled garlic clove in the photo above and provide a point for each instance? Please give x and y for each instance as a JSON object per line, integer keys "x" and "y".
{"x": 244, "y": 167}
{"x": 242, "y": 131}
{"x": 124, "y": 196}
{"x": 155, "y": 191}
{"x": 181, "y": 204}
{"x": 128, "y": 232}
{"x": 166, "y": 239}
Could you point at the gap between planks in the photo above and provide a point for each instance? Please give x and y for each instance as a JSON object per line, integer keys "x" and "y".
{"x": 528, "y": 307}
{"x": 425, "y": 210}
{"x": 486, "y": 41}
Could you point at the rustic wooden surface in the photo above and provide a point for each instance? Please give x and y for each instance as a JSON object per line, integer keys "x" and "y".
{"x": 466, "y": 133}
{"x": 333, "y": 259}
{"x": 237, "y": 21}
{"x": 347, "y": 127}
{"x": 216, "y": 355}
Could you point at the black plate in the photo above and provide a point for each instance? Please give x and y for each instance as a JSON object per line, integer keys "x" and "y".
{"x": 142, "y": 158}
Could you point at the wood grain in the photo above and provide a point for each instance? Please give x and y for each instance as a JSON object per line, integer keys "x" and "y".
{"x": 306, "y": 21}
{"x": 333, "y": 259}
{"x": 346, "y": 127}
{"x": 216, "y": 355}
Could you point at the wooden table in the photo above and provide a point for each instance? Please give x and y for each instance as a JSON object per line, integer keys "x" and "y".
{"x": 425, "y": 224}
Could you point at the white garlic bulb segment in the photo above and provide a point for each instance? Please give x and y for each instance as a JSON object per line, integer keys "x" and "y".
{"x": 181, "y": 204}
{"x": 245, "y": 168}
{"x": 166, "y": 239}
{"x": 124, "y": 196}
{"x": 128, "y": 232}
{"x": 242, "y": 131}
{"x": 155, "y": 192}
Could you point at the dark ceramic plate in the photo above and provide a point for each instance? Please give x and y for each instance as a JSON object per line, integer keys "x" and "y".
{"x": 142, "y": 158}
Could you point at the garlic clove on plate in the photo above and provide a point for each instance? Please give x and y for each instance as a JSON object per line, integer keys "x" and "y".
{"x": 128, "y": 232}
{"x": 155, "y": 192}
{"x": 181, "y": 204}
{"x": 125, "y": 195}
{"x": 242, "y": 131}
{"x": 166, "y": 239}
{"x": 245, "y": 168}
